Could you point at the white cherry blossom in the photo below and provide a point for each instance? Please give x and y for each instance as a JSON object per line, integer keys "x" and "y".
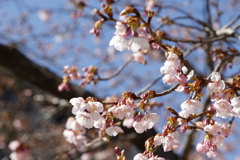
{"x": 137, "y": 43}
{"x": 223, "y": 108}
{"x": 147, "y": 122}
{"x": 169, "y": 141}
{"x": 140, "y": 156}
{"x": 79, "y": 105}
{"x": 113, "y": 130}
{"x": 124, "y": 111}
{"x": 85, "y": 119}
{"x": 120, "y": 43}
{"x": 120, "y": 29}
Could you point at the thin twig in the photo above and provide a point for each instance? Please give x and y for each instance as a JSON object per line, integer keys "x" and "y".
{"x": 231, "y": 22}
{"x": 198, "y": 41}
{"x": 117, "y": 71}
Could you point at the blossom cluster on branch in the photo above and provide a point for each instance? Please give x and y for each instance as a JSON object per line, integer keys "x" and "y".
{"x": 136, "y": 35}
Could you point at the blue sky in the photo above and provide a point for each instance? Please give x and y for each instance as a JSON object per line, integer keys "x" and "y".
{"x": 61, "y": 19}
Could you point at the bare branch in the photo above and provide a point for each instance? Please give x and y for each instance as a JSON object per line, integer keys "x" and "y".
{"x": 117, "y": 71}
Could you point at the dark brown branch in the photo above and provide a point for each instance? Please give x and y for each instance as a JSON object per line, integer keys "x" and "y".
{"x": 42, "y": 77}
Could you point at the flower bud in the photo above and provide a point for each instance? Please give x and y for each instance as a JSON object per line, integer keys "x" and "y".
{"x": 148, "y": 95}
{"x": 129, "y": 10}
{"x": 133, "y": 22}
{"x": 149, "y": 144}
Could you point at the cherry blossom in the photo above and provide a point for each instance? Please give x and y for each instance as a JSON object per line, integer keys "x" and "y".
{"x": 72, "y": 124}
{"x": 123, "y": 111}
{"x": 137, "y": 43}
{"x": 223, "y": 108}
{"x": 24, "y": 155}
{"x": 235, "y": 102}
{"x": 218, "y": 85}
{"x": 74, "y": 132}
{"x": 20, "y": 151}
{"x": 120, "y": 43}
{"x": 171, "y": 69}
{"x": 85, "y": 119}
{"x": 169, "y": 142}
{"x": 156, "y": 158}
{"x": 113, "y": 130}
{"x": 139, "y": 57}
{"x": 210, "y": 145}
{"x": 14, "y": 145}
{"x": 189, "y": 107}
{"x": 140, "y": 156}
{"x": 100, "y": 123}
{"x": 79, "y": 105}
{"x": 128, "y": 122}
{"x": 120, "y": 29}
{"x": 44, "y": 15}
{"x": 63, "y": 86}
{"x": 146, "y": 122}
{"x": 73, "y": 137}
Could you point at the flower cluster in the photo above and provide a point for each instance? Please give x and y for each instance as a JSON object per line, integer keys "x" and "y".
{"x": 141, "y": 156}
{"x": 168, "y": 139}
{"x": 174, "y": 71}
{"x": 223, "y": 104}
{"x": 20, "y": 151}
{"x": 215, "y": 133}
{"x": 189, "y": 107}
{"x": 73, "y": 74}
{"x": 121, "y": 40}
{"x": 74, "y": 133}
{"x": 90, "y": 113}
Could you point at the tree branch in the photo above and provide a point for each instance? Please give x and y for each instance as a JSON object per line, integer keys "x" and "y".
{"x": 42, "y": 77}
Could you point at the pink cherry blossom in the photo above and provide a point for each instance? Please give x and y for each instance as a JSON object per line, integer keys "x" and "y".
{"x": 63, "y": 86}
{"x": 95, "y": 106}
{"x": 128, "y": 123}
{"x": 120, "y": 29}
{"x": 73, "y": 137}
{"x": 20, "y": 151}
{"x": 147, "y": 122}
{"x": 124, "y": 111}
{"x": 72, "y": 124}
{"x": 212, "y": 154}
{"x": 201, "y": 148}
{"x": 213, "y": 129}
{"x": 169, "y": 141}
{"x": 156, "y": 158}
{"x": 21, "y": 155}
{"x": 139, "y": 57}
{"x": 173, "y": 71}
{"x": 150, "y": 4}
{"x": 78, "y": 105}
{"x": 235, "y": 102}
{"x": 191, "y": 105}
{"x": 113, "y": 130}
{"x": 14, "y": 145}
{"x": 140, "y": 156}
{"x": 137, "y": 43}
{"x": 120, "y": 43}
{"x": 75, "y": 76}
{"x": 85, "y": 119}
{"x": 44, "y": 15}
{"x": 217, "y": 85}
{"x": 100, "y": 123}
{"x": 223, "y": 108}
